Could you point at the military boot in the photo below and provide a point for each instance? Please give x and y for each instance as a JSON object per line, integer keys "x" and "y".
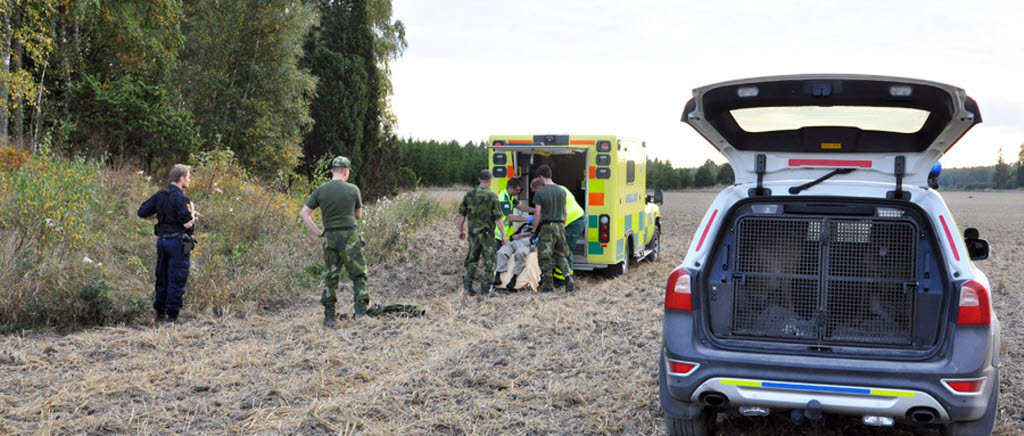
{"x": 360, "y": 311}
{"x": 512, "y": 282}
{"x": 329, "y": 317}
{"x": 172, "y": 316}
{"x": 570, "y": 285}
{"x": 469, "y": 290}
{"x": 160, "y": 317}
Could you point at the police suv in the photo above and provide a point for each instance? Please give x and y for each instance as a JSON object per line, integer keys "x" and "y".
{"x": 830, "y": 279}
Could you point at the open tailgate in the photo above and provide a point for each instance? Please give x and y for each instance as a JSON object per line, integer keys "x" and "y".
{"x": 808, "y": 125}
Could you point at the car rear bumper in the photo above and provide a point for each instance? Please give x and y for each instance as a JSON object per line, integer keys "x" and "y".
{"x": 848, "y": 386}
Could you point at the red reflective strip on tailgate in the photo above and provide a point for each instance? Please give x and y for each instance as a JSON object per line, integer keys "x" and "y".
{"x": 582, "y": 142}
{"x": 829, "y": 163}
{"x": 593, "y": 172}
{"x": 949, "y": 237}
{"x": 520, "y": 141}
{"x": 706, "y": 228}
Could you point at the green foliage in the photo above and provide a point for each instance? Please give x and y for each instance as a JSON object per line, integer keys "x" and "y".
{"x": 685, "y": 176}
{"x": 725, "y": 175}
{"x": 127, "y": 116}
{"x": 349, "y": 51}
{"x": 1020, "y": 168}
{"x": 443, "y": 164}
{"x": 391, "y": 224}
{"x": 661, "y": 175}
{"x": 706, "y": 175}
{"x": 239, "y": 76}
{"x": 133, "y": 38}
{"x": 45, "y": 200}
{"x": 1001, "y": 175}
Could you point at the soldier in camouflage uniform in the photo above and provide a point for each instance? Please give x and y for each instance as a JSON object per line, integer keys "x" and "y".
{"x": 480, "y": 207}
{"x": 341, "y": 204}
{"x": 552, "y": 250}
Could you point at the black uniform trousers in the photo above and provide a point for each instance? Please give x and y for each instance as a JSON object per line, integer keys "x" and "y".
{"x": 172, "y": 266}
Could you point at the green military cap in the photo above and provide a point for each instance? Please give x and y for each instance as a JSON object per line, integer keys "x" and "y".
{"x": 485, "y": 175}
{"x": 341, "y": 162}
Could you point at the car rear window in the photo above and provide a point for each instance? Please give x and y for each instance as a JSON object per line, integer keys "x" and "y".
{"x": 781, "y": 118}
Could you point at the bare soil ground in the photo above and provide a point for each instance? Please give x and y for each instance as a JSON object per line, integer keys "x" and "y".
{"x": 520, "y": 363}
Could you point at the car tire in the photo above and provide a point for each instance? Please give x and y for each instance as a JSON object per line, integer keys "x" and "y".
{"x": 699, "y": 420}
{"x": 982, "y": 426}
{"x": 621, "y": 268}
{"x": 655, "y": 245}
{"x": 700, "y": 425}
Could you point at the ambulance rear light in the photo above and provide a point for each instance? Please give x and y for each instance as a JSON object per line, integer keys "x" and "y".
{"x": 604, "y": 228}
{"x": 975, "y": 307}
{"x": 677, "y": 293}
{"x": 604, "y": 146}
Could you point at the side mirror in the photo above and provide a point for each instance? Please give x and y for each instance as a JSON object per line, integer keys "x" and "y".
{"x": 656, "y": 198}
{"x": 977, "y": 248}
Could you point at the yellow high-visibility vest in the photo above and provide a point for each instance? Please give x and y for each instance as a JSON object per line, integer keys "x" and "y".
{"x": 573, "y": 211}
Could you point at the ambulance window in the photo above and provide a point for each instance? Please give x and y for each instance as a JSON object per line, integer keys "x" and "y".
{"x": 630, "y": 172}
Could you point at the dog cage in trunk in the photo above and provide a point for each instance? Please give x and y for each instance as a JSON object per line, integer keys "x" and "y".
{"x": 829, "y": 280}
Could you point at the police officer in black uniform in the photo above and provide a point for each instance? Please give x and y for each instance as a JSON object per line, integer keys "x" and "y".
{"x": 174, "y": 214}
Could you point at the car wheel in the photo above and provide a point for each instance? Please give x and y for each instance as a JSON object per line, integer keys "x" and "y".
{"x": 699, "y": 425}
{"x": 621, "y": 268}
{"x": 698, "y": 421}
{"x": 655, "y": 245}
{"x": 982, "y": 426}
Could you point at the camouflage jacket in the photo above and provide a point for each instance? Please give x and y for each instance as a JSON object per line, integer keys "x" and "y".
{"x": 481, "y": 209}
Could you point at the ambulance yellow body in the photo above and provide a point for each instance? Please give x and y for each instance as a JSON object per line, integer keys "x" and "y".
{"x": 607, "y": 175}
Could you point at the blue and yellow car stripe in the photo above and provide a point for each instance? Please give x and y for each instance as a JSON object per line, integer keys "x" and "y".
{"x": 817, "y": 388}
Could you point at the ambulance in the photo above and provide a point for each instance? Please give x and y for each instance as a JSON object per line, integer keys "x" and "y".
{"x": 607, "y": 175}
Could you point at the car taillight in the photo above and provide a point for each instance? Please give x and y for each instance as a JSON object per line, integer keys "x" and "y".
{"x": 975, "y": 307}
{"x": 677, "y": 293}
{"x": 603, "y": 230}
{"x": 681, "y": 368}
{"x": 966, "y": 386}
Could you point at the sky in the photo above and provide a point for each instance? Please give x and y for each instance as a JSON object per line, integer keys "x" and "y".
{"x": 474, "y": 68}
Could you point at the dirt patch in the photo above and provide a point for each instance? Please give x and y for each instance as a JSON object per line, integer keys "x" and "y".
{"x": 520, "y": 363}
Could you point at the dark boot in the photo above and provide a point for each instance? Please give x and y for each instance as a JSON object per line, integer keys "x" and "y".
{"x": 160, "y": 317}
{"x": 512, "y": 282}
{"x": 497, "y": 279}
{"x": 469, "y": 290}
{"x": 485, "y": 290}
{"x": 172, "y": 316}
{"x": 360, "y": 311}
{"x": 570, "y": 285}
{"x": 329, "y": 316}
{"x": 546, "y": 290}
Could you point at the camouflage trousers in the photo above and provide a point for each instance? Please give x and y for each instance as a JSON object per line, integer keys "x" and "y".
{"x": 481, "y": 245}
{"x": 572, "y": 235}
{"x": 344, "y": 249}
{"x": 552, "y": 251}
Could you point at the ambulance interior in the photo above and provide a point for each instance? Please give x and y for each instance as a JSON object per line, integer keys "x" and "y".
{"x": 568, "y": 168}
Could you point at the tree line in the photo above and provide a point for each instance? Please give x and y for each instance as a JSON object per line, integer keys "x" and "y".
{"x": 280, "y": 83}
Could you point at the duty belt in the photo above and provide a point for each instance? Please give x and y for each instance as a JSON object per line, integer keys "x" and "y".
{"x": 170, "y": 235}
{"x": 340, "y": 228}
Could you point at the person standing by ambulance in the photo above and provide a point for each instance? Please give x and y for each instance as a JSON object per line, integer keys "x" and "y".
{"x": 575, "y": 225}
{"x": 549, "y": 211}
{"x": 480, "y": 208}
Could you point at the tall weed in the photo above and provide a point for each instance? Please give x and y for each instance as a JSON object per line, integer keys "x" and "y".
{"x": 96, "y": 262}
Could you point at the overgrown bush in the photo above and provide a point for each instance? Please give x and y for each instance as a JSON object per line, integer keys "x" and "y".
{"x": 390, "y": 224}
{"x": 96, "y": 264}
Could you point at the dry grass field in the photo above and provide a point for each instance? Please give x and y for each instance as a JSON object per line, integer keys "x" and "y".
{"x": 523, "y": 363}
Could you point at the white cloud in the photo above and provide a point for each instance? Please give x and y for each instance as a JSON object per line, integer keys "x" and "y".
{"x": 475, "y": 68}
